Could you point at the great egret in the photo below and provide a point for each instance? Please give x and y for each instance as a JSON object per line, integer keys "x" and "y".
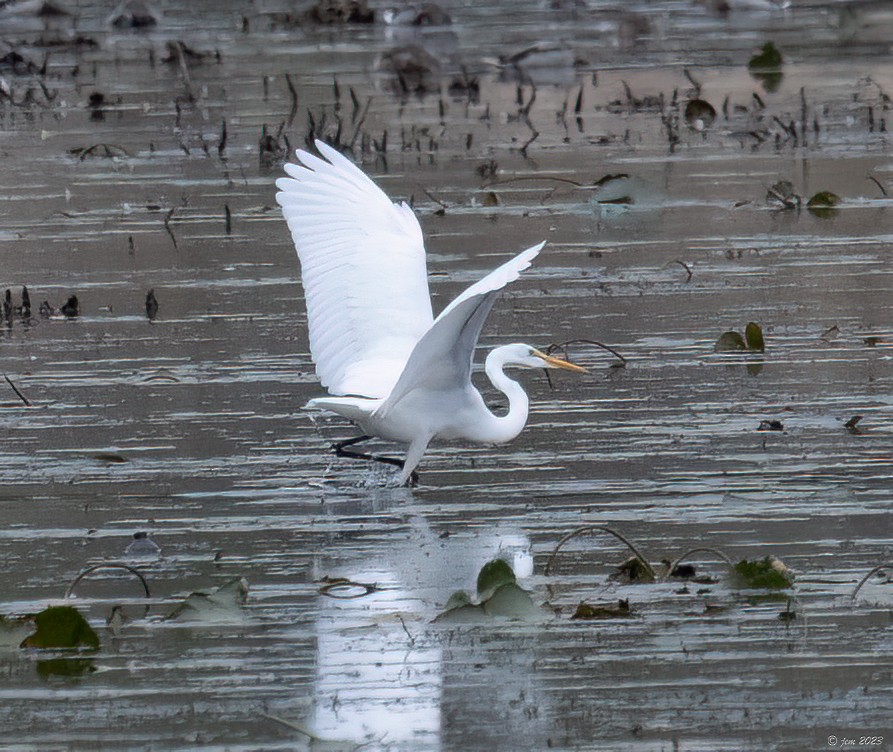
{"x": 390, "y": 366}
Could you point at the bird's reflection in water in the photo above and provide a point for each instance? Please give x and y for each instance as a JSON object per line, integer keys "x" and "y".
{"x": 383, "y": 671}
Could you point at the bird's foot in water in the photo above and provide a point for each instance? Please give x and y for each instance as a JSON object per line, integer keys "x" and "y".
{"x": 340, "y": 449}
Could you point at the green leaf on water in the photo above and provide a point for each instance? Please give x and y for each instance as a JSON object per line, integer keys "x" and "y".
{"x": 767, "y": 573}
{"x": 494, "y": 574}
{"x": 457, "y": 600}
{"x": 823, "y": 204}
{"x": 490, "y": 199}
{"x": 753, "y": 337}
{"x": 500, "y": 596}
{"x": 511, "y": 602}
{"x": 65, "y": 667}
{"x": 730, "y": 341}
{"x": 109, "y": 457}
{"x": 62, "y": 627}
{"x": 766, "y": 65}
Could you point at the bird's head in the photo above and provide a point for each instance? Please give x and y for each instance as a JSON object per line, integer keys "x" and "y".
{"x": 526, "y": 356}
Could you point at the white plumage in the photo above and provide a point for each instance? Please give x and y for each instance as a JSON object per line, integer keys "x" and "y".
{"x": 391, "y": 367}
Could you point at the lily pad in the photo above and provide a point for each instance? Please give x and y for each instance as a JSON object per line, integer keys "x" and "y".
{"x": 511, "y": 602}
{"x": 823, "y": 204}
{"x": 753, "y": 337}
{"x": 500, "y": 596}
{"x": 768, "y": 573}
{"x": 730, "y": 341}
{"x": 62, "y": 627}
{"x": 783, "y": 195}
{"x": 65, "y": 667}
{"x": 765, "y": 67}
{"x": 493, "y": 575}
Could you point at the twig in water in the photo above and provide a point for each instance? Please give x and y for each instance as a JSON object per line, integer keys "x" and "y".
{"x": 408, "y": 634}
{"x": 21, "y": 396}
{"x": 111, "y": 565}
{"x": 221, "y": 144}
{"x": 293, "y": 93}
{"x": 686, "y": 267}
{"x": 167, "y": 226}
{"x": 563, "y": 347}
{"x": 604, "y": 529}
{"x": 878, "y": 568}
{"x": 434, "y": 198}
{"x": 877, "y": 182}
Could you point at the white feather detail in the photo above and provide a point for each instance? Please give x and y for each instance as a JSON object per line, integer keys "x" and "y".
{"x": 363, "y": 269}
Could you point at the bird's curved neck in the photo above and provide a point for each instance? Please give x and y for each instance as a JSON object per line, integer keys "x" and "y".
{"x": 506, "y": 427}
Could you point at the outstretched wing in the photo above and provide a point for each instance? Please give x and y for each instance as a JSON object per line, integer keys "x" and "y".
{"x": 363, "y": 270}
{"x": 443, "y": 357}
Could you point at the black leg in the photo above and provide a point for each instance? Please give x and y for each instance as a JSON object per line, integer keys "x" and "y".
{"x": 340, "y": 449}
{"x": 339, "y": 445}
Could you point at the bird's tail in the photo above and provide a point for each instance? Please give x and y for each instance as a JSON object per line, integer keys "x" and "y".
{"x": 353, "y": 408}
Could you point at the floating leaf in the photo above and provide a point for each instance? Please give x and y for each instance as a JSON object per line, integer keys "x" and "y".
{"x": 62, "y": 627}
{"x": 468, "y": 613}
{"x": 109, "y": 457}
{"x": 620, "y": 610}
{"x": 457, "y": 600}
{"x": 65, "y": 667}
{"x": 490, "y": 199}
{"x": 512, "y": 602}
{"x": 500, "y": 596}
{"x": 823, "y": 204}
{"x": 218, "y": 605}
{"x": 765, "y": 67}
{"x": 699, "y": 114}
{"x": 783, "y": 195}
{"x": 753, "y": 337}
{"x": 730, "y": 342}
{"x": 766, "y": 573}
{"x": 494, "y": 574}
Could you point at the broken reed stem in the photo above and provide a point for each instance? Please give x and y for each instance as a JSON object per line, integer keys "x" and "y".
{"x": 700, "y": 550}
{"x": 111, "y": 565}
{"x": 878, "y": 568}
{"x": 21, "y": 396}
{"x": 604, "y": 529}
{"x": 563, "y": 347}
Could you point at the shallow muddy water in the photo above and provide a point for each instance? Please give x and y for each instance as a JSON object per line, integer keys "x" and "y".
{"x": 189, "y": 427}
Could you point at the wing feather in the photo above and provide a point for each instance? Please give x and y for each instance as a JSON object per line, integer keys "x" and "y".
{"x": 363, "y": 270}
{"x": 443, "y": 357}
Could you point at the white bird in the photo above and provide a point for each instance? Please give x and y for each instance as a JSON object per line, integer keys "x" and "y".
{"x": 391, "y": 367}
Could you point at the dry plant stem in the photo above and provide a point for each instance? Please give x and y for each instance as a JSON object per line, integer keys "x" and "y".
{"x": 18, "y": 393}
{"x": 604, "y": 529}
{"x": 700, "y": 550}
{"x": 563, "y": 347}
{"x": 113, "y": 565}
{"x": 878, "y": 568}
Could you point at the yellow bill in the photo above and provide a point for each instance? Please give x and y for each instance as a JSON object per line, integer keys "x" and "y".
{"x": 552, "y": 362}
